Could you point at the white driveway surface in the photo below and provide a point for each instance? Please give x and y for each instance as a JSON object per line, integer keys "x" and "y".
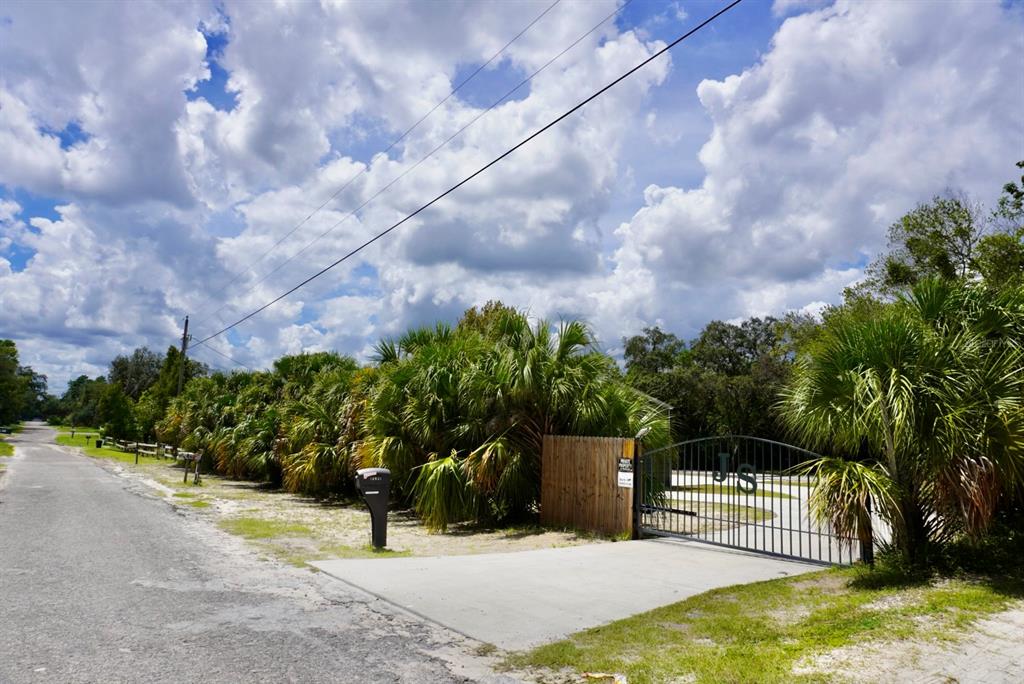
{"x": 524, "y": 599}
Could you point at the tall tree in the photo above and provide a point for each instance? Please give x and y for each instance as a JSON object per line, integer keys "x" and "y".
{"x": 654, "y": 351}
{"x": 34, "y": 393}
{"x": 153, "y": 402}
{"x": 936, "y": 239}
{"x": 12, "y": 392}
{"x": 80, "y": 401}
{"x": 724, "y": 382}
{"x": 1000, "y": 255}
{"x": 135, "y": 373}
{"x": 114, "y": 412}
{"x": 952, "y": 238}
{"x": 731, "y": 349}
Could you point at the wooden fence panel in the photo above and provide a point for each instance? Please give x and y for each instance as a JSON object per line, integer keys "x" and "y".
{"x": 580, "y": 484}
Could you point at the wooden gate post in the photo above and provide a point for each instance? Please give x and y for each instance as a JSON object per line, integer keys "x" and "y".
{"x": 638, "y": 490}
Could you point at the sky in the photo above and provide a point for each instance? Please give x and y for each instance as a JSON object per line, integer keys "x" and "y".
{"x": 201, "y": 158}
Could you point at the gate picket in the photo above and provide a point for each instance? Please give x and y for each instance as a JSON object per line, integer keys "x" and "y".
{"x": 740, "y": 492}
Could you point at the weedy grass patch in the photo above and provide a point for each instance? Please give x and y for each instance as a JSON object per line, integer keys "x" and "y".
{"x": 758, "y": 632}
{"x": 300, "y": 558}
{"x": 261, "y": 528}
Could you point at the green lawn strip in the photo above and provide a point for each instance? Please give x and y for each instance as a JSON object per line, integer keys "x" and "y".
{"x": 89, "y": 446}
{"x": 758, "y": 632}
{"x": 77, "y": 430}
{"x": 199, "y": 503}
{"x": 729, "y": 490}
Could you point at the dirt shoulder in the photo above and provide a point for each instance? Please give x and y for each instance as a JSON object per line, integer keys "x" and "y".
{"x": 992, "y": 651}
{"x": 297, "y": 528}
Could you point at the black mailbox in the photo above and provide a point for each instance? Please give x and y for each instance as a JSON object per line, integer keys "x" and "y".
{"x": 375, "y": 486}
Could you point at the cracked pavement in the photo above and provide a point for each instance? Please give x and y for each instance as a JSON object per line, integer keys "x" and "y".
{"x": 101, "y": 580}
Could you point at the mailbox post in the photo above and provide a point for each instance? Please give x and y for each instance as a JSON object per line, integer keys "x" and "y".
{"x": 375, "y": 486}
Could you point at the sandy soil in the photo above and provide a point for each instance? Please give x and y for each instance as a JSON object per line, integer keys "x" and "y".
{"x": 333, "y": 530}
{"x": 991, "y": 653}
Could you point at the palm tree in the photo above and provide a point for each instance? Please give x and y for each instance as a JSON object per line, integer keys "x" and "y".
{"x": 932, "y": 389}
{"x": 534, "y": 382}
{"x": 464, "y": 411}
{"x": 319, "y": 435}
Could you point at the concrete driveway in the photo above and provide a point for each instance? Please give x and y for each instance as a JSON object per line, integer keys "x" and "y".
{"x": 524, "y": 599}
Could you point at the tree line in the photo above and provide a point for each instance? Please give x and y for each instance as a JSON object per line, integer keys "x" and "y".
{"x": 23, "y": 392}
{"x": 912, "y": 388}
{"x": 456, "y": 412}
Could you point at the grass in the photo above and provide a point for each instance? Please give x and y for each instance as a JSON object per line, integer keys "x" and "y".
{"x": 78, "y": 429}
{"x": 89, "y": 445}
{"x": 7, "y": 449}
{"x": 301, "y": 559}
{"x": 758, "y": 632}
{"x": 367, "y": 551}
{"x": 296, "y": 544}
{"x": 729, "y": 490}
{"x": 711, "y": 516}
{"x": 260, "y": 528}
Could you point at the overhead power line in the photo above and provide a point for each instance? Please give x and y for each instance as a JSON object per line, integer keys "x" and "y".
{"x": 203, "y": 344}
{"x": 479, "y": 171}
{"x": 387, "y": 149}
{"x": 430, "y": 154}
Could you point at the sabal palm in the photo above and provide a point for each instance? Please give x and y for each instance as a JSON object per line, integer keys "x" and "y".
{"x": 320, "y": 451}
{"x": 413, "y": 410}
{"x": 467, "y": 412}
{"x": 932, "y": 387}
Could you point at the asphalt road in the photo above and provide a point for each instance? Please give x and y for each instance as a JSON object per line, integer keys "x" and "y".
{"x": 102, "y": 581}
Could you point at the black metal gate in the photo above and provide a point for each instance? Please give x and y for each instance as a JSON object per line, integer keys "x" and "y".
{"x": 741, "y": 492}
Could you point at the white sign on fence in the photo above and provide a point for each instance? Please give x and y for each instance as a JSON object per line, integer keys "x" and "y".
{"x": 626, "y": 473}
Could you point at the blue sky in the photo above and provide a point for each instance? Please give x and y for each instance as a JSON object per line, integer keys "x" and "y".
{"x": 753, "y": 172}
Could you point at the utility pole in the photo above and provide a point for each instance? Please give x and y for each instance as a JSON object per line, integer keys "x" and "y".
{"x": 184, "y": 356}
{"x": 181, "y": 380}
